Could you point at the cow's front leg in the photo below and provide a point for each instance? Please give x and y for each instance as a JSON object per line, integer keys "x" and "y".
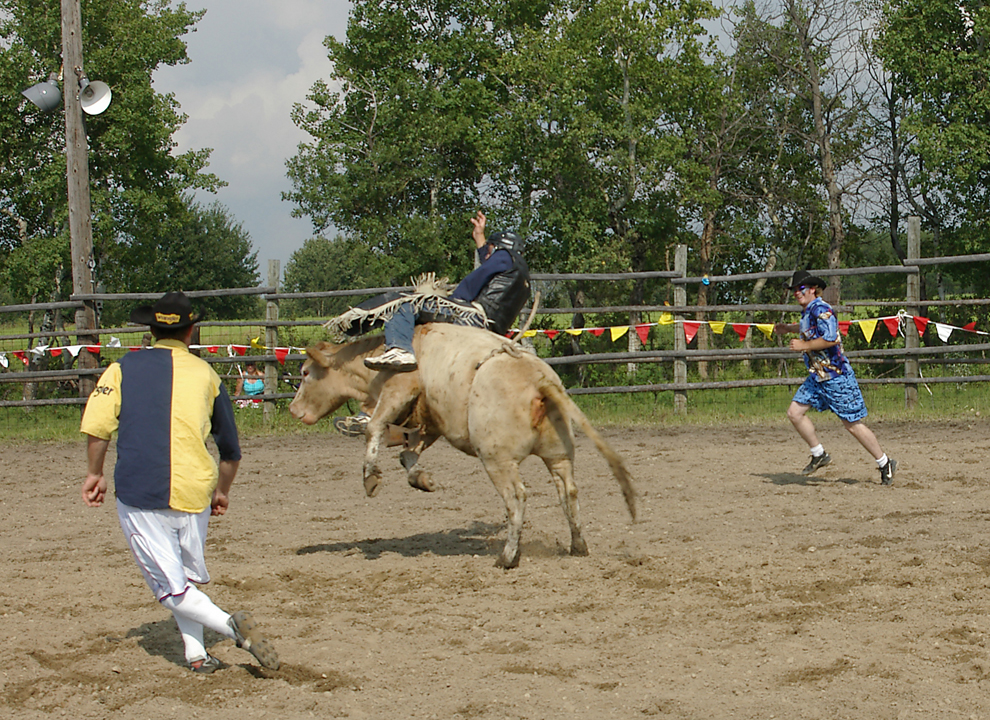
{"x": 374, "y": 434}
{"x": 398, "y": 394}
{"x": 416, "y": 441}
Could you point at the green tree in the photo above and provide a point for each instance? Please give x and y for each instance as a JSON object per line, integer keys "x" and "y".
{"x": 343, "y": 263}
{"x": 815, "y": 47}
{"x": 135, "y": 179}
{"x": 588, "y": 143}
{"x": 195, "y": 248}
{"x": 936, "y": 55}
{"x": 396, "y": 153}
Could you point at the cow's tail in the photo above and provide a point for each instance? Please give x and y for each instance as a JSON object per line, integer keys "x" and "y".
{"x": 556, "y": 394}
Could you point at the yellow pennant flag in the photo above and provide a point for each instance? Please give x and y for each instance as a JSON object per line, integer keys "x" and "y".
{"x": 529, "y": 333}
{"x": 868, "y": 327}
{"x": 618, "y": 332}
{"x": 665, "y": 319}
{"x": 574, "y": 331}
{"x": 256, "y": 343}
{"x": 717, "y": 327}
{"x": 766, "y": 329}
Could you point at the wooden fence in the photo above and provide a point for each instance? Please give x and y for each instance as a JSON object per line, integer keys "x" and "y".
{"x": 274, "y": 357}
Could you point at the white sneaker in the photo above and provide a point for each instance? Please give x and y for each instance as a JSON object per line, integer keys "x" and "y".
{"x": 395, "y": 359}
{"x": 353, "y": 426}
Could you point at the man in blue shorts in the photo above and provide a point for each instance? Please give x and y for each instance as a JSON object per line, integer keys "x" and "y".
{"x": 831, "y": 383}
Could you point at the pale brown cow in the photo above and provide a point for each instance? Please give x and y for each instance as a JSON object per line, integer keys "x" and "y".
{"x": 481, "y": 393}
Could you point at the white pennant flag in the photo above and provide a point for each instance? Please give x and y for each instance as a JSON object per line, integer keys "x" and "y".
{"x": 73, "y": 350}
{"x": 944, "y": 331}
{"x": 3, "y": 361}
{"x": 39, "y": 350}
{"x": 114, "y": 342}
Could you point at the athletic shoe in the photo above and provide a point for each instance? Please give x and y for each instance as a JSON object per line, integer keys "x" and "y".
{"x": 817, "y": 462}
{"x": 353, "y": 426}
{"x": 249, "y": 637}
{"x": 887, "y": 472}
{"x": 395, "y": 359}
{"x": 206, "y": 666}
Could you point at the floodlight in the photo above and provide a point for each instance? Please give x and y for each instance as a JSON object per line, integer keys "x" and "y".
{"x": 45, "y": 94}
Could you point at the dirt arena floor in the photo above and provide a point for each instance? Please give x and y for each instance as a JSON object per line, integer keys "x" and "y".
{"x": 743, "y": 591}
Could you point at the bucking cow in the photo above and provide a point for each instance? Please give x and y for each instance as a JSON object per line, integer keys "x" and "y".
{"x": 482, "y": 393}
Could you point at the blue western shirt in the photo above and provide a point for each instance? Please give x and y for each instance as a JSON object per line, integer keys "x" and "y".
{"x": 818, "y": 321}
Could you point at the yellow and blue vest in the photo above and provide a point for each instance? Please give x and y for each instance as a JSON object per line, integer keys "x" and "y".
{"x": 163, "y": 402}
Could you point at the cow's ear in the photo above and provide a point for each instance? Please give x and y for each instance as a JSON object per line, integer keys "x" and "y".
{"x": 317, "y": 353}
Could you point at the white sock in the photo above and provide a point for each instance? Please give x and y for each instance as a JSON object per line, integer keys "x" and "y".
{"x": 192, "y": 637}
{"x": 193, "y": 610}
{"x": 817, "y": 450}
{"x": 882, "y": 461}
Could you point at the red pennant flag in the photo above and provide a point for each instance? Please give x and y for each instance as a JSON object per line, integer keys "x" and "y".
{"x": 597, "y": 332}
{"x": 135, "y": 349}
{"x": 892, "y": 323}
{"x": 281, "y": 354}
{"x": 844, "y": 326}
{"x": 21, "y": 355}
{"x": 921, "y": 323}
{"x": 644, "y": 332}
{"x": 970, "y": 326}
{"x": 552, "y": 334}
{"x": 741, "y": 329}
{"x": 56, "y": 352}
{"x": 240, "y": 349}
{"x": 213, "y": 349}
{"x": 95, "y": 349}
{"x": 690, "y": 329}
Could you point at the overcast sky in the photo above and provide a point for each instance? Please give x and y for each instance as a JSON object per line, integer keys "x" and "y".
{"x": 250, "y": 60}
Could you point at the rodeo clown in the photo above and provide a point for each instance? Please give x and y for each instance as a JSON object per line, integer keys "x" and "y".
{"x": 163, "y": 402}
{"x": 491, "y": 296}
{"x": 831, "y": 383}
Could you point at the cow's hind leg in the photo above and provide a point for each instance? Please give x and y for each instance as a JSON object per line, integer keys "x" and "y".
{"x": 562, "y": 470}
{"x": 505, "y": 477}
{"x": 409, "y": 457}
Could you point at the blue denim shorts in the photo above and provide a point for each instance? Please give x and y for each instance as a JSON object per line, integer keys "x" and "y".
{"x": 841, "y": 395}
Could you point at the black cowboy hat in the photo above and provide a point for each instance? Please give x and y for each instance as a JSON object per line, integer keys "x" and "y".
{"x": 803, "y": 277}
{"x": 170, "y": 312}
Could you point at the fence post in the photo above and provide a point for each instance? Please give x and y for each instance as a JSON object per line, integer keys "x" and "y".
{"x": 911, "y": 338}
{"x": 271, "y": 341}
{"x": 680, "y": 300}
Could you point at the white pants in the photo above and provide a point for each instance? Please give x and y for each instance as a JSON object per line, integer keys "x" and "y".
{"x": 168, "y": 547}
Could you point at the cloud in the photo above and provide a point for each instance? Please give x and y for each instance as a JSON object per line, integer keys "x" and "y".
{"x": 250, "y": 61}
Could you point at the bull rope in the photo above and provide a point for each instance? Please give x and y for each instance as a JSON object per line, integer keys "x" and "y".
{"x": 512, "y": 347}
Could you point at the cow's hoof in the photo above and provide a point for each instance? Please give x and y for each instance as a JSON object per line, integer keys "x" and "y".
{"x": 372, "y": 483}
{"x": 507, "y": 563}
{"x": 579, "y": 547}
{"x": 422, "y": 481}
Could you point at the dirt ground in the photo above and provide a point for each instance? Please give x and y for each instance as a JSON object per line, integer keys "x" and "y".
{"x": 743, "y": 591}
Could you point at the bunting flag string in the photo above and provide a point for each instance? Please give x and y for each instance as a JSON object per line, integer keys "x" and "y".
{"x": 281, "y": 353}
{"x": 868, "y": 326}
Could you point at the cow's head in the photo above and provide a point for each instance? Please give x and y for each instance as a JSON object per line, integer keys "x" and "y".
{"x": 316, "y": 396}
{"x": 332, "y": 375}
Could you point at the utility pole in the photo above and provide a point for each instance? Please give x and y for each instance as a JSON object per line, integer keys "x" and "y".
{"x": 77, "y": 175}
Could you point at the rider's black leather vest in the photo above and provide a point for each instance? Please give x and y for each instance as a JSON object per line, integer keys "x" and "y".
{"x": 505, "y": 294}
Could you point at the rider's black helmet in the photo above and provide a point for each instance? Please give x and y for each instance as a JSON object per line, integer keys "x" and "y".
{"x": 506, "y": 239}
